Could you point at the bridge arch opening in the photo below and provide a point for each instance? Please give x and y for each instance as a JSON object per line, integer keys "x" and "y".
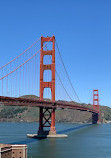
{"x": 47, "y": 60}
{"x": 48, "y": 46}
{"x": 47, "y": 94}
{"x": 47, "y": 76}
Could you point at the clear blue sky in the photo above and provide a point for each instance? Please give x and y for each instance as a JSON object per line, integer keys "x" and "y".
{"x": 83, "y": 33}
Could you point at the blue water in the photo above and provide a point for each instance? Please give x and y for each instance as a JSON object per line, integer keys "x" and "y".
{"x": 84, "y": 141}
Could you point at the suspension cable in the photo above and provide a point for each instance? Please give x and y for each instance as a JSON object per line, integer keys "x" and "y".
{"x": 63, "y": 85}
{"x": 26, "y": 60}
{"x": 67, "y": 72}
{"x": 21, "y": 54}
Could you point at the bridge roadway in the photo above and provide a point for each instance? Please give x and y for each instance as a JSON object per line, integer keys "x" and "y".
{"x": 8, "y": 101}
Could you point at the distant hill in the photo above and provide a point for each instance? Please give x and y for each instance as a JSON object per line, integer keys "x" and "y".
{"x": 31, "y": 114}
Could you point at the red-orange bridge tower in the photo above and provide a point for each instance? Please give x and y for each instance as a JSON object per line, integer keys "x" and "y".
{"x": 95, "y": 116}
{"x": 46, "y": 114}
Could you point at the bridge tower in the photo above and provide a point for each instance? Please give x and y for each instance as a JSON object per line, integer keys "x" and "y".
{"x": 95, "y": 117}
{"x": 46, "y": 114}
{"x": 96, "y": 100}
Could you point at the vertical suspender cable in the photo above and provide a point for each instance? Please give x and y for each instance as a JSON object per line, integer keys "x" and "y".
{"x": 2, "y": 82}
{"x": 23, "y": 82}
{"x": 19, "y": 80}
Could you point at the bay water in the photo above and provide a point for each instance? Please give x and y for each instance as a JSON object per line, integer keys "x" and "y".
{"x": 84, "y": 140}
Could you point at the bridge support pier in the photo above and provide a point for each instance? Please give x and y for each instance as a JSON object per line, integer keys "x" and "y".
{"x": 46, "y": 119}
{"x": 52, "y": 127}
{"x": 95, "y": 118}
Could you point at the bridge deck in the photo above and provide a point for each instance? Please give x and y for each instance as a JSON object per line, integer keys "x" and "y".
{"x": 8, "y": 101}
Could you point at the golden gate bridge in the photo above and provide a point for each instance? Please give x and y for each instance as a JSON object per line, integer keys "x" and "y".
{"x": 38, "y": 71}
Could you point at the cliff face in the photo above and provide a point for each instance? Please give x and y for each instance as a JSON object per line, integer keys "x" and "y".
{"x": 31, "y": 114}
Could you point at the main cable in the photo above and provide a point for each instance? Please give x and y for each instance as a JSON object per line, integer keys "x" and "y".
{"x": 26, "y": 60}
{"x": 67, "y": 72}
{"x": 20, "y": 54}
